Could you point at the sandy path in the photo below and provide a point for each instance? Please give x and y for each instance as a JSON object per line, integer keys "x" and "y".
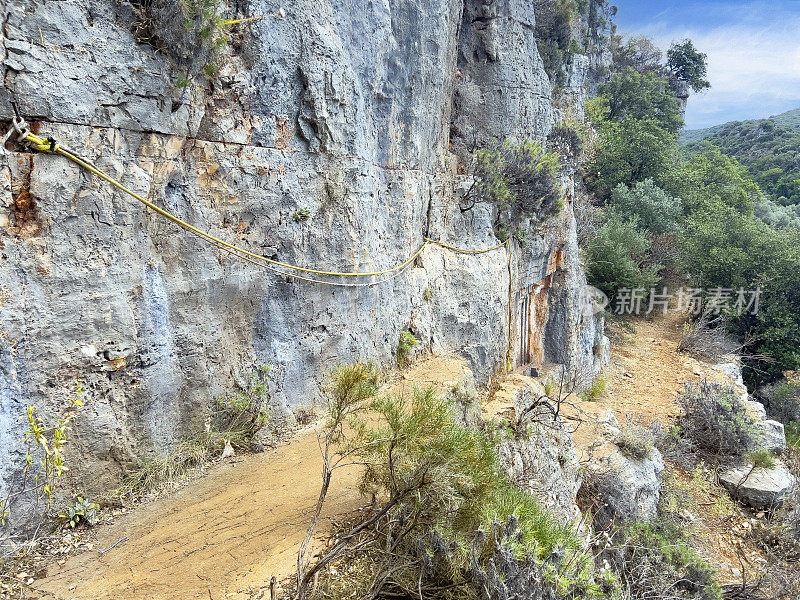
{"x": 647, "y": 371}
{"x": 222, "y": 534}
{"x": 227, "y": 533}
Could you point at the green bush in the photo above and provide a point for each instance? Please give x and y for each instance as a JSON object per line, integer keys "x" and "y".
{"x": 782, "y": 399}
{"x": 596, "y": 390}
{"x": 638, "y": 53}
{"x": 553, "y": 33}
{"x": 792, "y": 430}
{"x": 761, "y": 458}
{"x": 651, "y": 207}
{"x": 710, "y": 178}
{"x": 451, "y": 515}
{"x": 82, "y": 512}
{"x": 652, "y": 560}
{"x": 716, "y": 419}
{"x": 300, "y": 215}
{"x": 520, "y": 180}
{"x": 723, "y": 248}
{"x": 617, "y": 258}
{"x": 405, "y": 345}
{"x": 238, "y": 417}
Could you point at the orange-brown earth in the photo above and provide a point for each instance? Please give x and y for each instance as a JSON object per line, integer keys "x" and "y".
{"x": 225, "y": 534}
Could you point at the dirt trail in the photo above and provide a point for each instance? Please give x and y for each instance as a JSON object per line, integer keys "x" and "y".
{"x": 227, "y": 533}
{"x": 647, "y": 371}
{"x": 645, "y": 375}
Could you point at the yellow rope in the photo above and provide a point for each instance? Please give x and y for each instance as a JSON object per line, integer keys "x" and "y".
{"x": 51, "y": 147}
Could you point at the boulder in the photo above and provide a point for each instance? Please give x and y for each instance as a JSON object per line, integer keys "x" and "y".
{"x": 733, "y": 371}
{"x": 763, "y": 489}
{"x": 540, "y": 456}
{"x": 627, "y": 489}
{"x": 773, "y": 436}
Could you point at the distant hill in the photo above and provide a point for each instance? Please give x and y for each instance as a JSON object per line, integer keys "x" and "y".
{"x": 769, "y": 148}
{"x": 790, "y": 118}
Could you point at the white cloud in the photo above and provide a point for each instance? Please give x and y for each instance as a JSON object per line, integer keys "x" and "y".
{"x": 753, "y": 65}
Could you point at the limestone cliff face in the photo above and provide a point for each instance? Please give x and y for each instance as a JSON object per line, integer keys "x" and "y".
{"x": 345, "y": 108}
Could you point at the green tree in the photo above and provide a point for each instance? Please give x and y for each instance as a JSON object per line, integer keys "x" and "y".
{"x": 711, "y": 177}
{"x": 629, "y": 152}
{"x": 638, "y": 53}
{"x": 724, "y": 248}
{"x": 688, "y": 64}
{"x": 617, "y": 258}
{"x": 642, "y": 96}
{"x": 651, "y": 207}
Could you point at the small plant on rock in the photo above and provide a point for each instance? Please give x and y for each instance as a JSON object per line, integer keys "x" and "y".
{"x": 761, "y": 459}
{"x": 635, "y": 441}
{"x": 405, "y": 345}
{"x": 301, "y": 214}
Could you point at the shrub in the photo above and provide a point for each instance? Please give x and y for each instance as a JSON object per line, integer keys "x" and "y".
{"x": 782, "y": 399}
{"x": 779, "y": 533}
{"x": 192, "y": 32}
{"x": 617, "y": 258}
{"x": 635, "y": 441}
{"x": 707, "y": 336}
{"x": 651, "y": 207}
{"x": 44, "y": 446}
{"x": 711, "y": 177}
{"x": 553, "y": 33}
{"x": 793, "y": 434}
{"x": 445, "y": 516}
{"x": 82, "y": 512}
{"x": 652, "y": 561}
{"x": 405, "y": 345}
{"x": 565, "y": 140}
{"x": 520, "y": 180}
{"x": 596, "y": 390}
{"x": 234, "y": 419}
{"x": 716, "y": 420}
{"x": 237, "y": 418}
{"x": 761, "y": 459}
{"x": 151, "y": 472}
{"x": 637, "y": 53}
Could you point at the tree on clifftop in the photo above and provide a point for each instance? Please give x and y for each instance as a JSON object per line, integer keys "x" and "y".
{"x": 688, "y": 64}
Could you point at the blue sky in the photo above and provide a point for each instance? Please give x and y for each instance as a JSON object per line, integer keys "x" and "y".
{"x": 753, "y": 52}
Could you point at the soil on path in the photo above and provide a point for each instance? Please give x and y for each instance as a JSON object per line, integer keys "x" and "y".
{"x": 226, "y": 534}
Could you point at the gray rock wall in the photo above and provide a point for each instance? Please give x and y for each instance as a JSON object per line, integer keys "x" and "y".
{"x": 340, "y": 108}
